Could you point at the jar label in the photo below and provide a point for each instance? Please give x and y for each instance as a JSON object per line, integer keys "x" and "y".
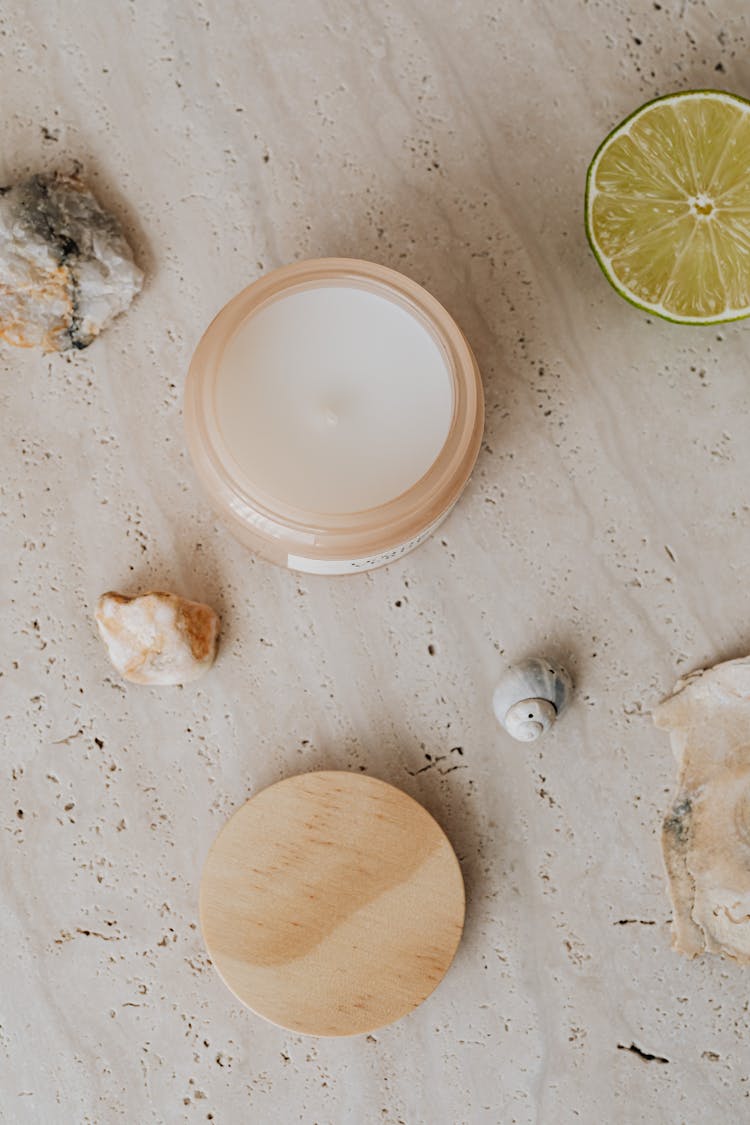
{"x": 353, "y": 566}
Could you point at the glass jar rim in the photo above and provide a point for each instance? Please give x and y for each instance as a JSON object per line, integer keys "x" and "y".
{"x": 436, "y": 490}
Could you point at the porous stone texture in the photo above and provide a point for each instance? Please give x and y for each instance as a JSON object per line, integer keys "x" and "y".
{"x": 65, "y": 268}
{"x": 607, "y": 525}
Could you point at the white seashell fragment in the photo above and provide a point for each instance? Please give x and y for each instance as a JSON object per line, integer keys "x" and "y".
{"x": 65, "y": 267}
{"x": 530, "y": 697}
{"x": 158, "y": 638}
{"x": 706, "y": 833}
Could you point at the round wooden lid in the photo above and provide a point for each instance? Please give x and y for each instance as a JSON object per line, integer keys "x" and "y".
{"x": 332, "y": 903}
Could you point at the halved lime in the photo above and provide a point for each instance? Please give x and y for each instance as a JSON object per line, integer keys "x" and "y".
{"x": 668, "y": 207}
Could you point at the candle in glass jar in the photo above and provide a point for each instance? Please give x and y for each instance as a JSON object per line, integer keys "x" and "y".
{"x": 334, "y": 412}
{"x": 333, "y": 399}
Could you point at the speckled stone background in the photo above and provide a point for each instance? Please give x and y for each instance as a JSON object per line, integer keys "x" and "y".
{"x": 608, "y": 522}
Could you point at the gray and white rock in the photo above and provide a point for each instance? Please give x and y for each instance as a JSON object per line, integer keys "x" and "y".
{"x": 66, "y": 269}
{"x": 158, "y": 638}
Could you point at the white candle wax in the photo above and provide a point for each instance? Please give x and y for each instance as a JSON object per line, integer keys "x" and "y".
{"x": 333, "y": 412}
{"x": 333, "y": 399}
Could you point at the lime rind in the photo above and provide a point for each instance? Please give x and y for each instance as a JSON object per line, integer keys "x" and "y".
{"x": 622, "y": 129}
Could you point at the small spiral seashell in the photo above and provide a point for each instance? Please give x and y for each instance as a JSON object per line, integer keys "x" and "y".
{"x": 530, "y": 697}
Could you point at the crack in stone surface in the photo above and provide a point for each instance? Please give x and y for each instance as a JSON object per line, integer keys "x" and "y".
{"x": 645, "y": 1055}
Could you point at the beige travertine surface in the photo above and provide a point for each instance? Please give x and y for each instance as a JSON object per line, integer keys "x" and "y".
{"x": 608, "y": 523}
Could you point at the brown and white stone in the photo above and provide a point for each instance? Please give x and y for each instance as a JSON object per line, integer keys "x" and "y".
{"x": 66, "y": 269}
{"x": 158, "y": 638}
{"x": 706, "y": 834}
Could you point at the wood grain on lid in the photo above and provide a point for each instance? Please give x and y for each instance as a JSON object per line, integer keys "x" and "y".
{"x": 332, "y": 903}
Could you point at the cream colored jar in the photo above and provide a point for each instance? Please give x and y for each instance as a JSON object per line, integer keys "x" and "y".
{"x": 334, "y": 412}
